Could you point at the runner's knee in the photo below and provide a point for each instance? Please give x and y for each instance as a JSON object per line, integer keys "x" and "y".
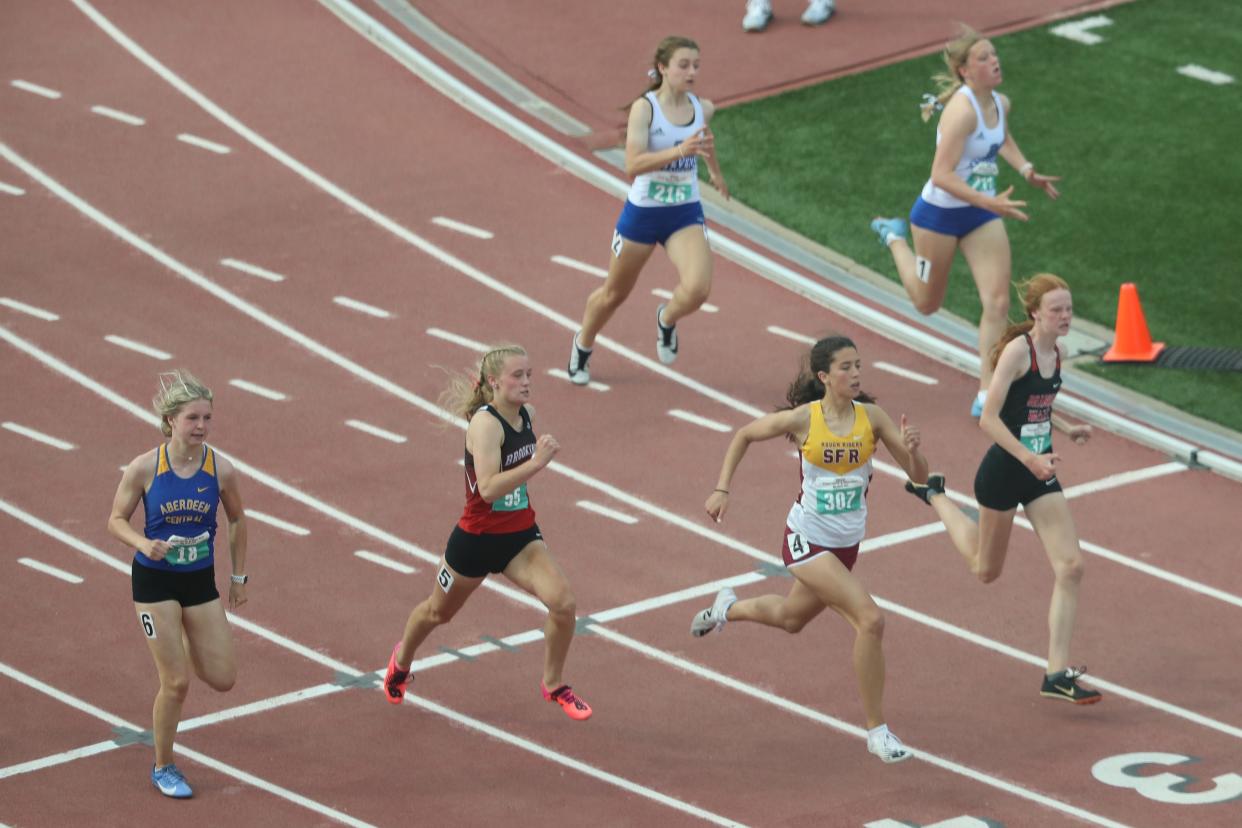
{"x": 175, "y": 686}
{"x": 996, "y": 302}
{"x": 871, "y": 622}
{"x": 791, "y": 623}
{"x": 562, "y": 604}
{"x": 926, "y": 305}
{"x": 222, "y": 681}
{"x": 1069, "y": 571}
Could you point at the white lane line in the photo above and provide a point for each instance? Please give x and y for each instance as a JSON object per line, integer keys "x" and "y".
{"x": 1202, "y": 73}
{"x": 253, "y": 270}
{"x": 613, "y": 514}
{"x": 42, "y": 91}
{"x": 291, "y": 528}
{"x": 1079, "y": 30}
{"x": 574, "y": 264}
{"x": 266, "y": 393}
{"x": 689, "y": 417}
{"x": 404, "y": 569}
{"x": 361, "y": 307}
{"x": 330, "y": 355}
{"x": 905, "y": 372}
{"x": 38, "y": 436}
{"x": 571, "y": 763}
{"x": 535, "y": 748}
{"x": 376, "y": 431}
{"x": 1094, "y": 548}
{"x": 465, "y": 229}
{"x": 900, "y": 537}
{"x": 10, "y": 189}
{"x": 560, "y": 373}
{"x": 203, "y": 143}
{"x": 383, "y": 383}
{"x": 706, "y": 307}
{"x": 513, "y": 594}
{"x": 365, "y": 374}
{"x": 788, "y": 334}
{"x": 458, "y": 340}
{"x": 31, "y": 310}
{"x": 48, "y": 569}
{"x": 228, "y": 770}
{"x": 1124, "y": 479}
{"x": 145, "y": 350}
{"x": 118, "y": 115}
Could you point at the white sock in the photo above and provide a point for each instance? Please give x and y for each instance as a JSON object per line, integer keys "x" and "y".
{"x": 579, "y": 346}
{"x": 982, "y": 396}
{"x": 877, "y": 731}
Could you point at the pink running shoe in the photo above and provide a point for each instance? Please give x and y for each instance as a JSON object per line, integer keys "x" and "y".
{"x": 395, "y": 680}
{"x": 574, "y": 707}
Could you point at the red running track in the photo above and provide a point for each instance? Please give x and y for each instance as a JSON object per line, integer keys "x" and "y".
{"x": 750, "y": 725}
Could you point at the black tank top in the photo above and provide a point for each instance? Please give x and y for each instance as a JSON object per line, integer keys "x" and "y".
{"x": 1027, "y": 410}
{"x": 511, "y": 512}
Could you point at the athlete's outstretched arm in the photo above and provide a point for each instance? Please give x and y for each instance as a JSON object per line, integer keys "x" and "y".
{"x": 792, "y": 421}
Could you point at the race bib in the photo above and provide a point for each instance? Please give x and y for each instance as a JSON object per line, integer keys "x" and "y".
{"x": 983, "y": 176}
{"x": 514, "y": 501}
{"x": 186, "y": 551}
{"x": 838, "y": 496}
{"x": 668, "y": 193}
{"x": 798, "y": 546}
{"x": 1036, "y": 436}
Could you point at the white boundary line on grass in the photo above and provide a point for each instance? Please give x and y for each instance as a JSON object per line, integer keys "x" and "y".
{"x": 897, "y": 330}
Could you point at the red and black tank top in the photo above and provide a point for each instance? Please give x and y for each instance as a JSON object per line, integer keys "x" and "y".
{"x": 1027, "y": 410}
{"x": 510, "y": 512}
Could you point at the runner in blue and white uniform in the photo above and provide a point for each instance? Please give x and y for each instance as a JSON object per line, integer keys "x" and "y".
{"x": 173, "y": 580}
{"x": 959, "y": 203}
{"x": 666, "y": 136}
{"x": 1021, "y": 469}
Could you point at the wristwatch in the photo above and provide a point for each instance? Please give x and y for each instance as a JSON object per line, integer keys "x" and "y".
{"x": 239, "y": 579}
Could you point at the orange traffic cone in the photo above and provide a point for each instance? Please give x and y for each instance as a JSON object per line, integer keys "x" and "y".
{"x": 1132, "y": 342}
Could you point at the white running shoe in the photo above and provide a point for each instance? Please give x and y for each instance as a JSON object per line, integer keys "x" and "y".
{"x": 666, "y": 339}
{"x": 817, "y": 12}
{"x": 758, "y": 15}
{"x": 713, "y": 618}
{"x": 887, "y": 746}
{"x": 579, "y": 373}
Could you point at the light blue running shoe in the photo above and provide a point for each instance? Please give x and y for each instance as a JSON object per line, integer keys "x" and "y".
{"x": 976, "y": 407}
{"x": 886, "y": 228}
{"x": 170, "y": 782}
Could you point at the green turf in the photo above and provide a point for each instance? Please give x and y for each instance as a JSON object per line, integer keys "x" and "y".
{"x": 1151, "y": 175}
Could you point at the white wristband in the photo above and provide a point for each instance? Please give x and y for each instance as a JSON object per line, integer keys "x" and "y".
{"x": 1025, "y": 168}
{"x": 239, "y": 579}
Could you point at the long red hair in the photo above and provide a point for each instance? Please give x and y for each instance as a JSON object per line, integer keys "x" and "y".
{"x": 1032, "y": 292}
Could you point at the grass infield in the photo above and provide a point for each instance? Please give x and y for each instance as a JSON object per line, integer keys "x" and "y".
{"x": 1152, "y": 175}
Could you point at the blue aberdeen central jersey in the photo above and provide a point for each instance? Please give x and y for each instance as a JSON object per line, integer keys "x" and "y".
{"x": 182, "y": 511}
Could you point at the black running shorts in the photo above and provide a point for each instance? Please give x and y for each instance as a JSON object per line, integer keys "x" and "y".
{"x": 475, "y": 556}
{"x": 1002, "y": 482}
{"x": 189, "y": 589}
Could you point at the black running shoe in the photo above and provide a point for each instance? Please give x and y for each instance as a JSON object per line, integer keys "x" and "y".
{"x": 1064, "y": 686}
{"x": 579, "y": 373}
{"x": 924, "y": 491}
{"x": 666, "y": 339}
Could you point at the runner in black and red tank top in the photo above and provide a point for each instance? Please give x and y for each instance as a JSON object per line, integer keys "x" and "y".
{"x": 512, "y": 512}
{"x": 497, "y": 532}
{"x": 1020, "y": 468}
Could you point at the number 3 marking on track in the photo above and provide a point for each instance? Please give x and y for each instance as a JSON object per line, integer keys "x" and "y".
{"x": 1122, "y": 772}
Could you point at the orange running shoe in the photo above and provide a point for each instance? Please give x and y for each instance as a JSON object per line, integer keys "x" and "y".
{"x": 396, "y": 679}
{"x": 574, "y": 707}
